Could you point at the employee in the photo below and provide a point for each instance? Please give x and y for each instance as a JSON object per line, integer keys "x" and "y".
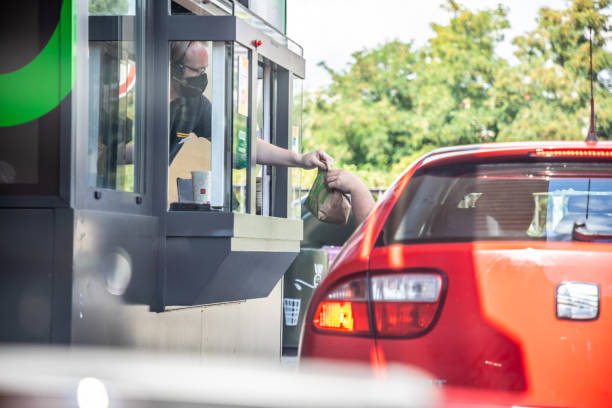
{"x": 190, "y": 110}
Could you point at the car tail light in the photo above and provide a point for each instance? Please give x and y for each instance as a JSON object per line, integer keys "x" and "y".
{"x": 344, "y": 309}
{"x": 586, "y": 152}
{"x": 405, "y": 304}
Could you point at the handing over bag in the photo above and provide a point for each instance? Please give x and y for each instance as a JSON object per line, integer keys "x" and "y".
{"x": 326, "y": 204}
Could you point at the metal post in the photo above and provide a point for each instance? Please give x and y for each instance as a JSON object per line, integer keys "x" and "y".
{"x": 284, "y": 91}
{"x": 158, "y": 61}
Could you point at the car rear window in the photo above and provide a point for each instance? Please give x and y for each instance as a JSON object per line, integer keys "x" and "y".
{"x": 518, "y": 201}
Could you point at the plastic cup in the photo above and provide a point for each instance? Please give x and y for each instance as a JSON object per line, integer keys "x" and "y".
{"x": 201, "y": 186}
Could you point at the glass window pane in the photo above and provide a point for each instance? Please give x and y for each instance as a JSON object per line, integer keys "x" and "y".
{"x": 272, "y": 11}
{"x": 114, "y": 95}
{"x": 112, "y": 78}
{"x": 295, "y": 173}
{"x": 35, "y": 86}
{"x": 273, "y": 26}
{"x": 240, "y": 143}
{"x": 112, "y": 7}
{"x": 263, "y": 129}
{"x": 540, "y": 201}
{"x": 198, "y": 77}
{"x": 259, "y": 132}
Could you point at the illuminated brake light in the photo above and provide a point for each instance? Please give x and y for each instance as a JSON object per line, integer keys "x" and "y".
{"x": 594, "y": 153}
{"x": 335, "y": 315}
{"x": 344, "y": 309}
{"x": 405, "y": 304}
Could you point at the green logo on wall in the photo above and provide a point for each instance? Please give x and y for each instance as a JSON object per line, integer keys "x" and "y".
{"x": 37, "y": 88}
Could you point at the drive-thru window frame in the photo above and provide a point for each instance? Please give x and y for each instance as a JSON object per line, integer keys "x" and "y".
{"x": 244, "y": 244}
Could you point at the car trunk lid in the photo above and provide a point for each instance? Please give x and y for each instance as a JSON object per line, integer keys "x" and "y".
{"x": 498, "y": 327}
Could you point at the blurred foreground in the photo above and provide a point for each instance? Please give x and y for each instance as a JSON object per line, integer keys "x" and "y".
{"x": 98, "y": 378}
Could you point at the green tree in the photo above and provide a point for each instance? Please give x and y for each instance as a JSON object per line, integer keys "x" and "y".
{"x": 546, "y": 96}
{"x": 395, "y": 102}
{"x": 458, "y": 72}
{"x": 108, "y": 7}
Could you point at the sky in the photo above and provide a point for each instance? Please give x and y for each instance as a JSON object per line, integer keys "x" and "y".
{"x": 331, "y": 30}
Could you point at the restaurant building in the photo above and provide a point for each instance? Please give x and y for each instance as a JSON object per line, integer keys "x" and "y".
{"x": 103, "y": 238}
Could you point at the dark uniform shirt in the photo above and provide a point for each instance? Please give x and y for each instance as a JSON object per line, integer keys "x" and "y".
{"x": 188, "y": 115}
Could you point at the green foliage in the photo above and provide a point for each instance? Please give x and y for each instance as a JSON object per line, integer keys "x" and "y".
{"x": 108, "y": 7}
{"x": 547, "y": 95}
{"x": 395, "y": 102}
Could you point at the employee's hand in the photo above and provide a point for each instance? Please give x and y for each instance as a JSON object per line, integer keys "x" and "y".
{"x": 318, "y": 159}
{"x": 272, "y": 155}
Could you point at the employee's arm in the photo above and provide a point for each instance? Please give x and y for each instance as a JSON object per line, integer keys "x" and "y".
{"x": 277, "y": 156}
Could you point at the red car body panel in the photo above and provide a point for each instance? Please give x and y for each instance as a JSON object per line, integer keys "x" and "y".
{"x": 497, "y": 329}
{"x": 501, "y": 296}
{"x": 454, "y": 362}
{"x": 463, "y": 397}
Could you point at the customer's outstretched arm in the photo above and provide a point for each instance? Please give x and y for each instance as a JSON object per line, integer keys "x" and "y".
{"x": 361, "y": 198}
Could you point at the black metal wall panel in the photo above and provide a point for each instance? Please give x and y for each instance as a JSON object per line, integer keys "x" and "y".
{"x": 192, "y": 263}
{"x": 115, "y": 266}
{"x": 63, "y": 239}
{"x": 206, "y": 270}
{"x": 26, "y": 273}
{"x": 251, "y": 275}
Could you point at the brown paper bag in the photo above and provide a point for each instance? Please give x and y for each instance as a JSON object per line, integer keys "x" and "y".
{"x": 326, "y": 204}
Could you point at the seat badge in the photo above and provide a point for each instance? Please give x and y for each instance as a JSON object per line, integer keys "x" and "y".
{"x": 577, "y": 301}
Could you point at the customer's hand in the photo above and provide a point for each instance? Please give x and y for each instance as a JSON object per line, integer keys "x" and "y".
{"x": 318, "y": 159}
{"x": 342, "y": 180}
{"x": 348, "y": 183}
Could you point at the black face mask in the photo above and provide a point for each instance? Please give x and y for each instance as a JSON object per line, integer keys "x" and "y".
{"x": 194, "y": 86}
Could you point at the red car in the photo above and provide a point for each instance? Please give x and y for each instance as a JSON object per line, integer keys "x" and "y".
{"x": 488, "y": 266}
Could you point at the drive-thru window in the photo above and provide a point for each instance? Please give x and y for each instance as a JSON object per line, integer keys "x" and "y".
{"x": 138, "y": 192}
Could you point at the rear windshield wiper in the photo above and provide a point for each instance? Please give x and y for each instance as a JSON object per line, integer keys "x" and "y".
{"x": 580, "y": 232}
